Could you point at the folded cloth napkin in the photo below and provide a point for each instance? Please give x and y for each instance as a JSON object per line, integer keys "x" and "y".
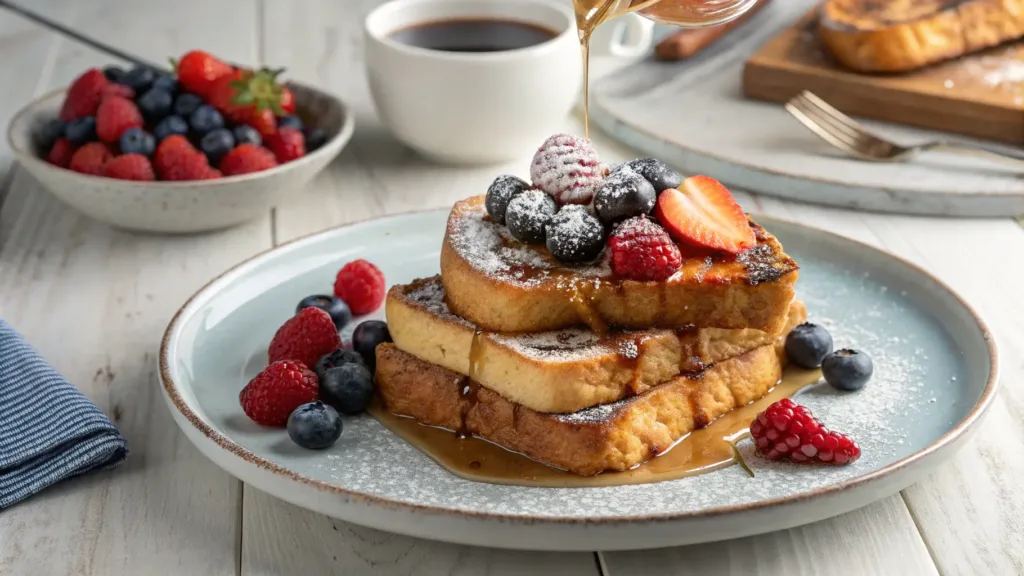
{"x": 49, "y": 430}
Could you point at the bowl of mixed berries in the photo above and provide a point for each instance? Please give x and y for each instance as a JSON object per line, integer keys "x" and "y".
{"x": 205, "y": 146}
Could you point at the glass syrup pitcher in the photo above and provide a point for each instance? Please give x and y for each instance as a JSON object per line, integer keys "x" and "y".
{"x": 680, "y": 13}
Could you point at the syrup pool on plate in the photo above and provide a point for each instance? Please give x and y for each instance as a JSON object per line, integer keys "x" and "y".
{"x": 681, "y": 13}
{"x": 703, "y": 450}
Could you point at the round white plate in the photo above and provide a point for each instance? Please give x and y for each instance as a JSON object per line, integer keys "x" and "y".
{"x": 693, "y": 115}
{"x": 935, "y": 373}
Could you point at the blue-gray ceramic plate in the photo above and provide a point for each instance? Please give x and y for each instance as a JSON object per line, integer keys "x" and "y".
{"x": 935, "y": 373}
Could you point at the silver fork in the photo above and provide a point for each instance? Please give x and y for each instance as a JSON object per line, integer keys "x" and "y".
{"x": 845, "y": 133}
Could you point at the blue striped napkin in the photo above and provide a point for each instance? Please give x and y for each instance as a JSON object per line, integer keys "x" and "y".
{"x": 49, "y": 431}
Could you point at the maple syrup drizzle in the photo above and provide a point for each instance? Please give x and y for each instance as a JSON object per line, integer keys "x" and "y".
{"x": 581, "y": 295}
{"x": 703, "y": 450}
{"x": 685, "y": 13}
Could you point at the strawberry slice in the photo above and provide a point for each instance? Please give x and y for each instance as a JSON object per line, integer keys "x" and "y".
{"x": 702, "y": 213}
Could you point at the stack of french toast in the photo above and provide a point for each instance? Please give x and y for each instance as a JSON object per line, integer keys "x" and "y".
{"x": 592, "y": 317}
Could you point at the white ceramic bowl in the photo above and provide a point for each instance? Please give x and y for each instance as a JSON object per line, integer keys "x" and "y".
{"x": 191, "y": 206}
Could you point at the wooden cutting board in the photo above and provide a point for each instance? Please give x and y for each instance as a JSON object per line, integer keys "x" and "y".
{"x": 980, "y": 95}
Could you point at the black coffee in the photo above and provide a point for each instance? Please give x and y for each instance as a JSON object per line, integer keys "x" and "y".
{"x": 473, "y": 35}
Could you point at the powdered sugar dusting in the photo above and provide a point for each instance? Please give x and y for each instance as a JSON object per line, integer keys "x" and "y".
{"x": 594, "y": 414}
{"x": 490, "y": 248}
{"x": 567, "y": 168}
{"x": 429, "y": 295}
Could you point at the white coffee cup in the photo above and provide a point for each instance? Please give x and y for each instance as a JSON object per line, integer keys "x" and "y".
{"x": 479, "y": 107}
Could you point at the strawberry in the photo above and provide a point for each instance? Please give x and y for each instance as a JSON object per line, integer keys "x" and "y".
{"x": 89, "y": 159}
{"x": 305, "y": 337}
{"x": 198, "y": 70}
{"x": 271, "y": 397}
{"x": 129, "y": 167}
{"x": 247, "y": 158}
{"x": 61, "y": 153}
{"x": 253, "y": 98}
{"x": 287, "y": 101}
{"x": 117, "y": 90}
{"x": 287, "y": 144}
{"x": 84, "y": 95}
{"x": 787, "y": 431}
{"x": 114, "y": 116}
{"x": 702, "y": 213}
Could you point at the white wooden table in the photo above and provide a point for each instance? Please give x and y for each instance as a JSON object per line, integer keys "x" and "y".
{"x": 95, "y": 302}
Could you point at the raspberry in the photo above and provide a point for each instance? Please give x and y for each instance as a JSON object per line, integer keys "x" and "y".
{"x": 176, "y": 159}
{"x": 287, "y": 144}
{"x": 114, "y": 116}
{"x": 129, "y": 167}
{"x": 361, "y": 285}
{"x": 642, "y": 250}
{"x": 567, "y": 168}
{"x": 247, "y": 158}
{"x": 84, "y": 95}
{"x": 275, "y": 393}
{"x": 89, "y": 159}
{"x": 305, "y": 337}
{"x": 61, "y": 153}
{"x": 786, "y": 431}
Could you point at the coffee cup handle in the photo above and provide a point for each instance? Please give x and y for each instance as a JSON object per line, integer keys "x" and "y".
{"x": 631, "y": 36}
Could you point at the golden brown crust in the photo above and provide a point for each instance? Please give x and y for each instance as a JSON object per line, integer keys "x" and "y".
{"x": 901, "y": 35}
{"x": 502, "y": 285}
{"x": 564, "y": 370}
{"x": 613, "y": 437}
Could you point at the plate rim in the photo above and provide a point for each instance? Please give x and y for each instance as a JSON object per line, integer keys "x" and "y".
{"x": 170, "y": 389}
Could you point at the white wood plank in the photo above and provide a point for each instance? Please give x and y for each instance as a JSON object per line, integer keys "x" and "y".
{"x": 852, "y": 544}
{"x": 27, "y": 55}
{"x": 95, "y": 302}
{"x": 283, "y": 539}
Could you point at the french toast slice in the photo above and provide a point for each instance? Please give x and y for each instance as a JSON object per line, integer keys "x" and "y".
{"x": 607, "y": 437}
{"x": 901, "y": 35}
{"x": 503, "y": 285}
{"x": 562, "y": 370}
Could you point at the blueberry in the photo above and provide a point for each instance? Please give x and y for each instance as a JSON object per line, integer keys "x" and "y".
{"x": 500, "y": 193}
{"x": 166, "y": 82}
{"x": 847, "y": 369}
{"x": 245, "y": 134}
{"x": 206, "y": 118}
{"x": 139, "y": 78}
{"x": 808, "y": 344}
{"x": 624, "y": 194}
{"x": 528, "y": 213}
{"x": 290, "y": 121}
{"x": 185, "y": 104}
{"x": 155, "y": 103}
{"x": 315, "y": 426}
{"x": 315, "y": 138}
{"x": 348, "y": 387}
{"x": 216, "y": 143}
{"x": 81, "y": 131}
{"x": 137, "y": 141}
{"x": 170, "y": 125}
{"x": 367, "y": 336}
{"x": 50, "y": 132}
{"x": 337, "y": 358}
{"x": 655, "y": 171}
{"x": 336, "y": 307}
{"x": 115, "y": 74}
{"x": 574, "y": 235}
